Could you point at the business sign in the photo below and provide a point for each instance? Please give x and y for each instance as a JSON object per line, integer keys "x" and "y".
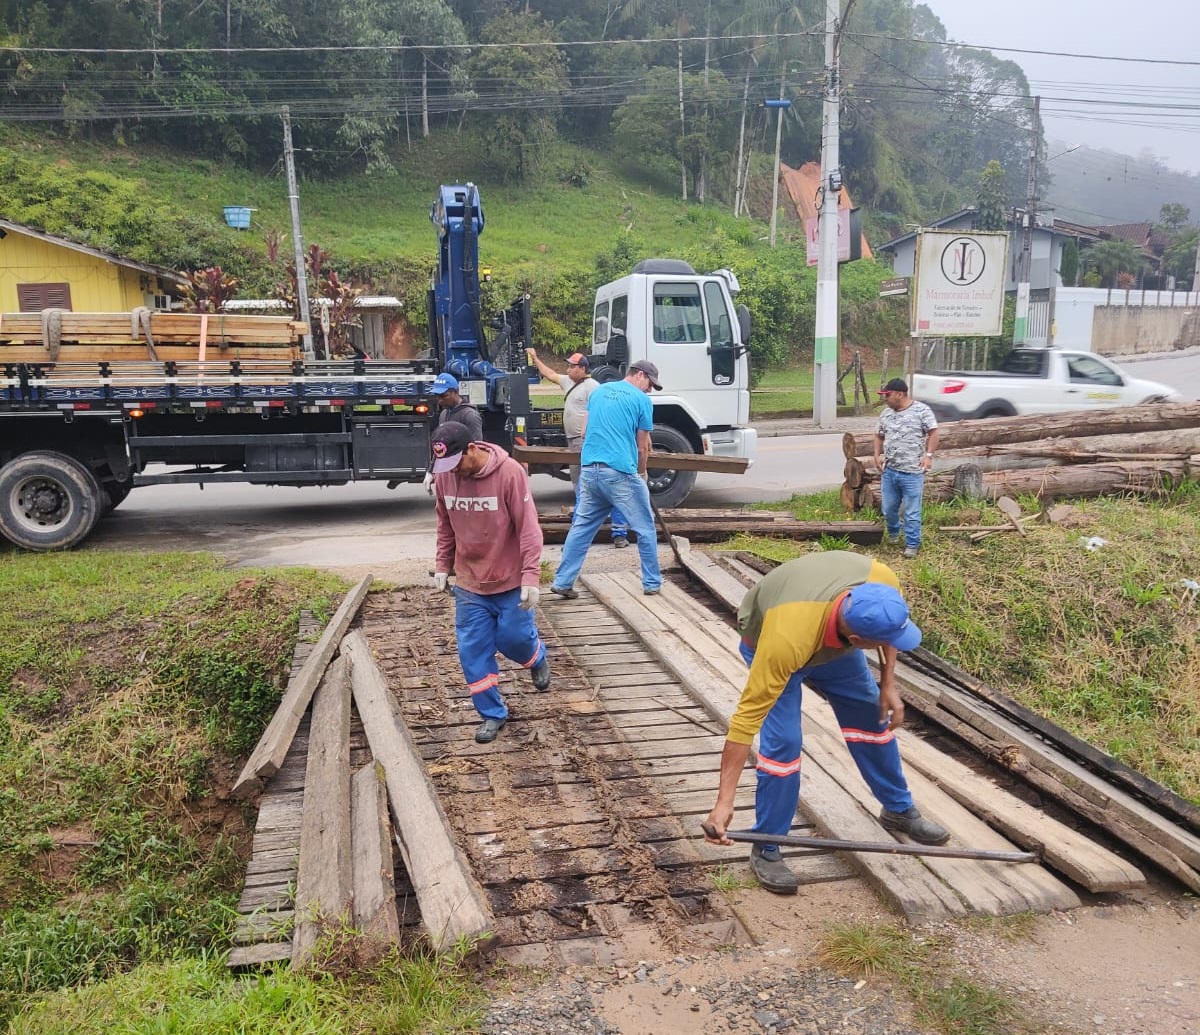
{"x": 893, "y": 286}
{"x": 849, "y": 236}
{"x": 959, "y": 284}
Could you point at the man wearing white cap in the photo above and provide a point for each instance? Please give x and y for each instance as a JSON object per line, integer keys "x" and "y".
{"x": 807, "y": 623}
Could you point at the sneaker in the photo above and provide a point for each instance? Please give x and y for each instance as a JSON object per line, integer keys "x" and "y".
{"x": 488, "y": 729}
{"x": 910, "y": 552}
{"x": 620, "y": 542}
{"x": 911, "y": 822}
{"x": 650, "y": 591}
{"x": 772, "y": 872}
{"x": 891, "y": 540}
{"x": 566, "y": 592}
{"x": 541, "y": 674}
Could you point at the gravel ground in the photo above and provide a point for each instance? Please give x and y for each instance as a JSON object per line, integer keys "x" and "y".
{"x": 743, "y": 991}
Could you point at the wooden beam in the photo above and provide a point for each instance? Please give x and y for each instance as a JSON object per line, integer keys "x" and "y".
{"x": 375, "y": 916}
{"x": 323, "y": 876}
{"x": 272, "y": 747}
{"x": 453, "y": 906}
{"x": 559, "y": 456}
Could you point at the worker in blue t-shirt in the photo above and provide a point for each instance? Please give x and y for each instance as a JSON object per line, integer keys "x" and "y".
{"x": 616, "y": 446}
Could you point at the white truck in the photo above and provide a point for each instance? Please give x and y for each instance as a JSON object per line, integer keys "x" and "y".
{"x": 1045, "y": 380}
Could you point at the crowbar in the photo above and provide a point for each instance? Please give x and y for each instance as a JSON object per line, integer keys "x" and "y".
{"x": 667, "y": 533}
{"x": 885, "y": 847}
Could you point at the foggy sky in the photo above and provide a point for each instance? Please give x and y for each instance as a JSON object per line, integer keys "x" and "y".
{"x": 1163, "y": 30}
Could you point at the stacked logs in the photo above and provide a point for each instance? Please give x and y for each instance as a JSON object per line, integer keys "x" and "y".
{"x": 1128, "y": 449}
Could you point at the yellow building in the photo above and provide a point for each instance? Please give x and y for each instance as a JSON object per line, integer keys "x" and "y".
{"x": 43, "y": 271}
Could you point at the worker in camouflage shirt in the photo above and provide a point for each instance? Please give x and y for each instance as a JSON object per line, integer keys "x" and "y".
{"x": 905, "y": 441}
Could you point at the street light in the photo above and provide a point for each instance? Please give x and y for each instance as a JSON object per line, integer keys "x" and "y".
{"x": 779, "y": 104}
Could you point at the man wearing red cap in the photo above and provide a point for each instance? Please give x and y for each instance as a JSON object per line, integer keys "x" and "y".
{"x": 577, "y": 385}
{"x": 905, "y": 440}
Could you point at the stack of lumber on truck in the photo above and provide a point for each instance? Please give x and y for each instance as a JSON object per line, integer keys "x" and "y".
{"x": 61, "y": 335}
{"x": 1128, "y": 449}
{"x": 333, "y": 840}
{"x": 1146, "y": 817}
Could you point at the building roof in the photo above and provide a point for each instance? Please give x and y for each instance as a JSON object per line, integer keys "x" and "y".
{"x": 954, "y": 217}
{"x": 171, "y": 276}
{"x": 1138, "y": 233}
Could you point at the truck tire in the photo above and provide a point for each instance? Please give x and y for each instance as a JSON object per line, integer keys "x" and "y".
{"x": 670, "y": 488}
{"x": 48, "y": 501}
{"x": 115, "y": 493}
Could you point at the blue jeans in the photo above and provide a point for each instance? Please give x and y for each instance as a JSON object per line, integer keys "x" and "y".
{"x": 848, "y": 685}
{"x": 601, "y": 491}
{"x": 901, "y": 493}
{"x": 616, "y": 522}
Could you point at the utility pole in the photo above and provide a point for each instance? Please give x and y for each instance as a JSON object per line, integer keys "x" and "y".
{"x": 825, "y": 354}
{"x": 779, "y": 106}
{"x": 297, "y": 239}
{"x": 1021, "y": 322}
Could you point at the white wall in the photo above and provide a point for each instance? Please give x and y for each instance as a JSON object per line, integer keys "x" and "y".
{"x": 1073, "y": 309}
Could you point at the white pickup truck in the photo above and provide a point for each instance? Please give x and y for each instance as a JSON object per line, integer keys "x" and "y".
{"x": 1036, "y": 381}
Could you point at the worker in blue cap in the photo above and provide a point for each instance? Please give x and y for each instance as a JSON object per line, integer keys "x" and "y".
{"x": 808, "y": 622}
{"x": 452, "y": 407}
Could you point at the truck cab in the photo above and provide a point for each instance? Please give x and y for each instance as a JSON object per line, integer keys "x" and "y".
{"x": 688, "y": 325}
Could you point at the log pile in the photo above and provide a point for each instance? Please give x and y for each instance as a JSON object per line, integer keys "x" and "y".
{"x": 1129, "y": 449}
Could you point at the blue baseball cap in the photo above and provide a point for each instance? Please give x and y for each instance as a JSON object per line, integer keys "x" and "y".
{"x": 443, "y": 383}
{"x": 876, "y": 611}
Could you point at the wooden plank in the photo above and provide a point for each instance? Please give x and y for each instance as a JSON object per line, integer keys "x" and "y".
{"x": 272, "y": 747}
{"x": 373, "y": 872}
{"x": 712, "y": 576}
{"x": 452, "y": 903}
{"x": 323, "y": 879}
{"x": 1088, "y": 864}
{"x": 258, "y": 954}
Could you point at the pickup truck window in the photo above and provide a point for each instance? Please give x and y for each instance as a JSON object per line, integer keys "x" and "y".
{"x": 1025, "y": 361}
{"x": 1092, "y": 371}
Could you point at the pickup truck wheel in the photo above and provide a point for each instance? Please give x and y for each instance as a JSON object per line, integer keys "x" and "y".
{"x": 670, "y": 488}
{"x": 48, "y": 501}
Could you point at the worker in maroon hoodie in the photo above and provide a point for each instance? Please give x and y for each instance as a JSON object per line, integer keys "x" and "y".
{"x": 488, "y": 537}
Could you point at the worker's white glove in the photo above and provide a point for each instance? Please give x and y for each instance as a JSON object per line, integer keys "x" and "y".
{"x": 427, "y": 484}
{"x": 441, "y": 582}
{"x": 529, "y": 597}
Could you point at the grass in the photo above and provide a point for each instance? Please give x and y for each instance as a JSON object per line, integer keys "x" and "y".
{"x": 726, "y": 880}
{"x": 1103, "y": 643}
{"x": 944, "y": 1000}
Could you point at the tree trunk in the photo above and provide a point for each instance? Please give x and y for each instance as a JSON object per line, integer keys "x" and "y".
{"x": 682, "y": 124}
{"x": 739, "y": 185}
{"x": 995, "y": 431}
{"x": 425, "y": 95}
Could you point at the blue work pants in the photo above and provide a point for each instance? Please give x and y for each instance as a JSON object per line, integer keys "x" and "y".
{"x": 484, "y": 624}
{"x": 603, "y": 490}
{"x": 847, "y": 684}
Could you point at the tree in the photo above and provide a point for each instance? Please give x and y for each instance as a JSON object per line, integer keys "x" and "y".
{"x": 1068, "y": 268}
{"x": 1109, "y": 259}
{"x": 991, "y": 198}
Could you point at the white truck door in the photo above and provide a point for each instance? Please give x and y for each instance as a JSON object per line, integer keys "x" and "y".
{"x": 1093, "y": 383}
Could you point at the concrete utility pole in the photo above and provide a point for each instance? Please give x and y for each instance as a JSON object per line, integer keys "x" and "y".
{"x": 1021, "y": 322}
{"x": 825, "y": 354}
{"x": 779, "y": 105}
{"x": 297, "y": 239}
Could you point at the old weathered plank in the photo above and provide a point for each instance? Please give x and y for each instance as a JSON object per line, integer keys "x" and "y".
{"x": 375, "y": 915}
{"x": 323, "y": 881}
{"x": 452, "y": 903}
{"x": 272, "y": 747}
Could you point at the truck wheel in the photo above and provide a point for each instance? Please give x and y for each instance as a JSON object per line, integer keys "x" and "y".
{"x": 48, "y": 501}
{"x": 670, "y": 488}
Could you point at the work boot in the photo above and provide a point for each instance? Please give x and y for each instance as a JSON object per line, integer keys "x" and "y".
{"x": 541, "y": 674}
{"x": 891, "y": 540}
{"x": 911, "y": 822}
{"x": 620, "y": 542}
{"x": 651, "y": 591}
{"x": 487, "y": 730}
{"x": 772, "y": 872}
{"x": 566, "y": 592}
{"x": 910, "y": 552}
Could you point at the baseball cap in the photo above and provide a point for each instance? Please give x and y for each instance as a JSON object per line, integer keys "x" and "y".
{"x": 578, "y": 359}
{"x": 449, "y": 442}
{"x": 896, "y": 384}
{"x": 876, "y": 611}
{"x": 443, "y": 383}
{"x": 649, "y": 369}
